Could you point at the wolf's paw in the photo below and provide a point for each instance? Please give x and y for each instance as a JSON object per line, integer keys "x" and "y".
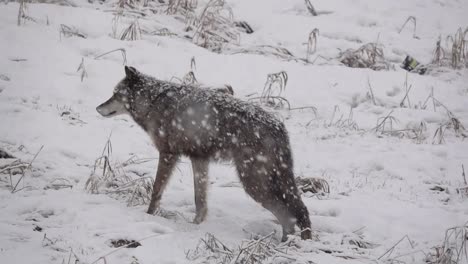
{"x": 151, "y": 210}
{"x": 200, "y": 216}
{"x": 306, "y": 234}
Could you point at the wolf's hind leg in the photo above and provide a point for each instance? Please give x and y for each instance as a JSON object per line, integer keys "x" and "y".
{"x": 299, "y": 210}
{"x": 200, "y": 180}
{"x": 166, "y": 164}
{"x": 280, "y": 211}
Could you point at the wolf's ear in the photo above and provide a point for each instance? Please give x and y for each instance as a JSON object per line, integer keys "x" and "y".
{"x": 131, "y": 72}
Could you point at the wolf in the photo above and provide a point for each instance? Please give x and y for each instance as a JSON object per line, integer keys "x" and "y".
{"x": 205, "y": 125}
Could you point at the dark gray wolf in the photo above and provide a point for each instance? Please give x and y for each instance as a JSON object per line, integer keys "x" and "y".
{"x": 205, "y": 125}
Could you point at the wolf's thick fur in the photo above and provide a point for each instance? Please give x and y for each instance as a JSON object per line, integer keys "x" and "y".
{"x": 203, "y": 125}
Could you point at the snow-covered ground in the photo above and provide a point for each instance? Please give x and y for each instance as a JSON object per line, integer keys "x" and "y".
{"x": 380, "y": 183}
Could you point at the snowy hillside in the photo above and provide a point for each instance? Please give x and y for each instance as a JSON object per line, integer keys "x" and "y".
{"x": 389, "y": 143}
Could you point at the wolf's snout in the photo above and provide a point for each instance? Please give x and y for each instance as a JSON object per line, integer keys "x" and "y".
{"x": 104, "y": 111}
{"x": 100, "y": 110}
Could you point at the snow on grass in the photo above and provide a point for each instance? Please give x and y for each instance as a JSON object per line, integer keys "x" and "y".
{"x": 380, "y": 178}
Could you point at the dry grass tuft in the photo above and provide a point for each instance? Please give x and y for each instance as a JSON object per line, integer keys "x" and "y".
{"x": 317, "y": 186}
{"x": 271, "y": 94}
{"x": 459, "y": 49}
{"x": 181, "y": 6}
{"x": 455, "y": 54}
{"x": 253, "y": 251}
{"x": 454, "y": 249}
{"x": 132, "y": 32}
{"x": 369, "y": 56}
{"x": 23, "y": 14}
{"x": 214, "y": 27}
{"x": 110, "y": 177}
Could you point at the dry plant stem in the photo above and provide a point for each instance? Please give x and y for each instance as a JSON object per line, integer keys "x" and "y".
{"x": 14, "y": 165}
{"x": 389, "y": 252}
{"x": 193, "y": 64}
{"x": 439, "y": 52}
{"x": 273, "y": 99}
{"x": 312, "y": 43}
{"x": 410, "y": 18}
{"x": 132, "y": 32}
{"x": 381, "y": 125}
{"x": 371, "y": 92}
{"x": 311, "y": 8}
{"x": 81, "y": 67}
{"x": 463, "y": 174}
{"x": 22, "y": 16}
{"x": 406, "y": 97}
{"x": 123, "y": 52}
{"x": 24, "y": 172}
{"x": 67, "y": 31}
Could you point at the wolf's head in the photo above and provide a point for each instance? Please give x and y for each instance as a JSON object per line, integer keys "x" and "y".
{"x": 119, "y": 103}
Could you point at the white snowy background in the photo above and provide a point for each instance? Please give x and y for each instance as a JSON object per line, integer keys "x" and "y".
{"x": 380, "y": 183}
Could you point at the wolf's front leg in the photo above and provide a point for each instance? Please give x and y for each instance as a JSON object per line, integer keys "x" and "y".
{"x": 200, "y": 180}
{"x": 166, "y": 164}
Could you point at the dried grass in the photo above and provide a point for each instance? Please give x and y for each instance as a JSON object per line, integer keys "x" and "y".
{"x": 412, "y": 19}
{"x": 82, "y": 70}
{"x": 311, "y": 8}
{"x": 388, "y": 255}
{"x": 244, "y": 26}
{"x": 110, "y": 177}
{"x": 132, "y": 32}
{"x": 455, "y": 54}
{"x": 369, "y": 56}
{"x": 253, "y": 251}
{"x": 181, "y": 6}
{"x": 18, "y": 167}
{"x": 70, "y": 31}
{"x": 341, "y": 123}
{"x": 23, "y": 13}
{"x": 316, "y": 186}
{"x": 454, "y": 248}
{"x": 439, "y": 53}
{"x": 407, "y": 90}
{"x": 214, "y": 27}
{"x": 269, "y": 51}
{"x": 459, "y": 49}
{"x": 312, "y": 43}
{"x": 122, "y": 51}
{"x": 271, "y": 94}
